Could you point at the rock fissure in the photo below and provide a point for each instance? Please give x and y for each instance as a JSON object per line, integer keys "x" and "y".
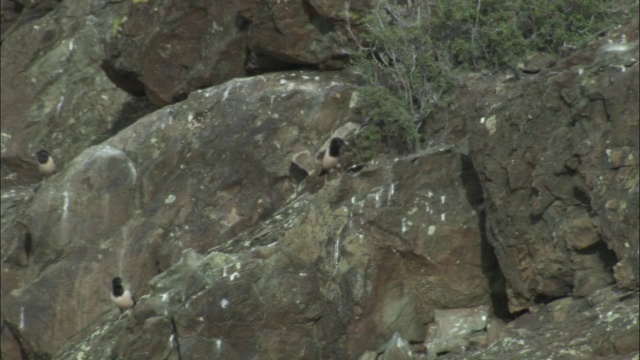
{"x": 175, "y": 337}
{"x": 518, "y": 219}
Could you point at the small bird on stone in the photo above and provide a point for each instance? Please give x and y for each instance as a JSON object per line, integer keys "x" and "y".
{"x": 46, "y": 165}
{"x": 330, "y": 158}
{"x": 121, "y": 297}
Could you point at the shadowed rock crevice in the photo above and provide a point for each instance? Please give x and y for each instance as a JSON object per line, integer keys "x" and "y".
{"x": 159, "y": 269}
{"x": 28, "y": 246}
{"x": 543, "y": 299}
{"x": 582, "y": 197}
{"x": 490, "y": 265}
{"x": 263, "y": 63}
{"x": 175, "y": 338}
{"x": 301, "y": 271}
{"x": 323, "y": 25}
{"x": 126, "y": 80}
{"x": 241, "y": 22}
{"x": 607, "y": 257}
{"x": 493, "y": 272}
{"x": 25, "y": 350}
{"x": 135, "y": 108}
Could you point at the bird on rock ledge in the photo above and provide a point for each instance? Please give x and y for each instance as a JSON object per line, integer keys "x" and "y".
{"x": 121, "y": 297}
{"x": 46, "y": 165}
{"x": 330, "y": 158}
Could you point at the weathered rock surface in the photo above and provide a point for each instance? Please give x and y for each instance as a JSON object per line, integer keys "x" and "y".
{"x": 169, "y": 48}
{"x": 375, "y": 253}
{"x": 601, "y": 326}
{"x": 212, "y": 211}
{"x": 49, "y": 54}
{"x": 558, "y": 164}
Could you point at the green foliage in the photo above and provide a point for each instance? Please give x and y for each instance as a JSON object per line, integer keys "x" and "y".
{"x": 396, "y": 122}
{"x": 408, "y": 54}
{"x": 366, "y": 145}
{"x": 495, "y": 33}
{"x": 404, "y": 72}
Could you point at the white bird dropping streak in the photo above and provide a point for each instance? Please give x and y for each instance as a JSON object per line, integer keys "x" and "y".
{"x": 65, "y": 207}
{"x": 336, "y": 255}
{"x": 21, "y": 317}
{"x": 134, "y": 173}
{"x": 59, "y": 105}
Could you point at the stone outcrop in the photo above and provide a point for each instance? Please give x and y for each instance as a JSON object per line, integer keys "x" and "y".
{"x": 372, "y": 252}
{"x": 46, "y": 57}
{"x": 558, "y": 163}
{"x": 514, "y": 231}
{"x": 168, "y": 49}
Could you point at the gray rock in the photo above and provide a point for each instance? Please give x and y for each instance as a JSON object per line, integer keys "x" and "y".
{"x": 233, "y": 253}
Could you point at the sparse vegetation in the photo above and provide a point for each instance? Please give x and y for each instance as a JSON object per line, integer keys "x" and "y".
{"x": 409, "y": 54}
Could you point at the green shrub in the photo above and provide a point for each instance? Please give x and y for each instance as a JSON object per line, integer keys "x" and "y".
{"x": 496, "y": 33}
{"x": 408, "y": 54}
{"x": 403, "y": 70}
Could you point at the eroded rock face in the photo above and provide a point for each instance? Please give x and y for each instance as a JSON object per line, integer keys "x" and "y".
{"x": 558, "y": 163}
{"x": 168, "y": 49}
{"x": 48, "y": 54}
{"x": 192, "y": 176}
{"x": 602, "y": 325}
{"x": 337, "y": 269}
{"x": 212, "y": 211}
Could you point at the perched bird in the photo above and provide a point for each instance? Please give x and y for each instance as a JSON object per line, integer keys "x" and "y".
{"x": 46, "y": 165}
{"x": 120, "y": 296}
{"x": 330, "y": 158}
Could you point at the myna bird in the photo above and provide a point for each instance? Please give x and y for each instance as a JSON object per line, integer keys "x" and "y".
{"x": 121, "y": 297}
{"x": 330, "y": 158}
{"x": 46, "y": 165}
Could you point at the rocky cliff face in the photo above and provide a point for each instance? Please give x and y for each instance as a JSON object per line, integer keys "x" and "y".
{"x": 515, "y": 230}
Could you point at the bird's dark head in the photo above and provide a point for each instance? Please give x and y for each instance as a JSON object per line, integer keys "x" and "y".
{"x": 117, "y": 282}
{"x": 336, "y": 141}
{"x": 42, "y": 156}
{"x": 334, "y": 146}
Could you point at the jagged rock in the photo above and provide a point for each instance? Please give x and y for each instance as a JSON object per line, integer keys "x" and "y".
{"x": 218, "y": 41}
{"x": 396, "y": 349}
{"x": 108, "y": 211}
{"x": 369, "y": 355}
{"x": 559, "y": 176}
{"x": 452, "y": 328}
{"x": 136, "y": 195}
{"x": 45, "y": 60}
{"x": 233, "y": 253}
{"x": 604, "y": 325}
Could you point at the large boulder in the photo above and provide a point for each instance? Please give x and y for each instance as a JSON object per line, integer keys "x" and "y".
{"x": 168, "y": 48}
{"x": 557, "y": 157}
{"x": 55, "y": 95}
{"x": 334, "y": 267}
